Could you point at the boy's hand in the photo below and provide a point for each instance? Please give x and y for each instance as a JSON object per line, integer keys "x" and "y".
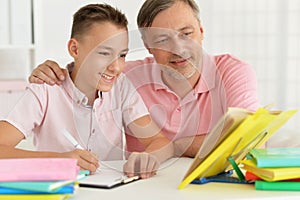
{"x": 85, "y": 159}
{"x": 142, "y": 164}
{"x": 48, "y": 72}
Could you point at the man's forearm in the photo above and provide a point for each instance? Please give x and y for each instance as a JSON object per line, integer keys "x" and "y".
{"x": 161, "y": 148}
{"x": 150, "y": 135}
{"x": 188, "y": 146}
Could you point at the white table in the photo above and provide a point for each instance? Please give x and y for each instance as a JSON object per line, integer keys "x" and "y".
{"x": 164, "y": 186}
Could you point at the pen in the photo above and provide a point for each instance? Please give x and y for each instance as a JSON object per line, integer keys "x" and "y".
{"x": 71, "y": 139}
{"x": 74, "y": 142}
{"x": 125, "y": 179}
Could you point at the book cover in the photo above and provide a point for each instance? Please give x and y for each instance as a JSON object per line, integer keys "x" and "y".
{"x": 249, "y": 176}
{"x": 37, "y": 186}
{"x": 280, "y": 185}
{"x": 252, "y": 132}
{"x": 38, "y": 169}
{"x": 35, "y": 197}
{"x": 67, "y": 189}
{"x": 252, "y": 177}
{"x": 43, "y": 186}
{"x": 276, "y": 157}
{"x": 271, "y": 174}
{"x": 223, "y": 128}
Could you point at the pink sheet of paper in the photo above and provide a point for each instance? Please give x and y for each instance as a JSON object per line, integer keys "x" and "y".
{"x": 38, "y": 169}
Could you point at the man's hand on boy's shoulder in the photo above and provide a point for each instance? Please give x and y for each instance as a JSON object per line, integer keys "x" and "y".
{"x": 48, "y": 72}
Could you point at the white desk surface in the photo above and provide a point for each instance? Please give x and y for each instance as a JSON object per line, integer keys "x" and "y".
{"x": 164, "y": 186}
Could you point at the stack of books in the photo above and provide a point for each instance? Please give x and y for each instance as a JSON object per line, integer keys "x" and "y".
{"x": 39, "y": 178}
{"x": 274, "y": 168}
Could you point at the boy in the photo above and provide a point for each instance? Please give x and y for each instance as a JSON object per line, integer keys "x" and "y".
{"x": 96, "y": 100}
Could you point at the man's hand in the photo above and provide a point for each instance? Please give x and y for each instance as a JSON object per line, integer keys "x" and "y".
{"x": 48, "y": 72}
{"x": 143, "y": 165}
{"x": 85, "y": 159}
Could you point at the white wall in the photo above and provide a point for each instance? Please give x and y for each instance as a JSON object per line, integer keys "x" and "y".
{"x": 264, "y": 33}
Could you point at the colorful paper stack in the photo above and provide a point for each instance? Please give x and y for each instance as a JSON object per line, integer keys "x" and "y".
{"x": 274, "y": 168}
{"x": 38, "y": 178}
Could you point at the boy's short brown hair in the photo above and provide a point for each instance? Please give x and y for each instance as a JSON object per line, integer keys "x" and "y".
{"x": 86, "y": 16}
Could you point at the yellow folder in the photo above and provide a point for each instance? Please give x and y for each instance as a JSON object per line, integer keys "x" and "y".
{"x": 240, "y": 131}
{"x": 36, "y": 197}
{"x": 271, "y": 174}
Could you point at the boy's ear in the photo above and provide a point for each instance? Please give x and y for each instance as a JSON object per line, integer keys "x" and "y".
{"x": 73, "y": 47}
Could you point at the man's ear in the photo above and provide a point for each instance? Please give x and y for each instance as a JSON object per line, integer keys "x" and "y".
{"x": 73, "y": 47}
{"x": 146, "y": 44}
{"x": 148, "y": 48}
{"x": 201, "y": 31}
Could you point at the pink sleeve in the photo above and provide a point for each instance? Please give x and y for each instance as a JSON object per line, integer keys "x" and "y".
{"x": 240, "y": 83}
{"x": 29, "y": 111}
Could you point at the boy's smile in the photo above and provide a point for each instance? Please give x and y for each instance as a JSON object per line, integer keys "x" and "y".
{"x": 107, "y": 78}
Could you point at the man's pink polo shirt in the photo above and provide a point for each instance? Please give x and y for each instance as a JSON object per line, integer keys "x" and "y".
{"x": 225, "y": 82}
{"x": 46, "y": 110}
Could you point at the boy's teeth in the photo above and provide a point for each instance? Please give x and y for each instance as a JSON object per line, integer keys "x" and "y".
{"x": 107, "y": 77}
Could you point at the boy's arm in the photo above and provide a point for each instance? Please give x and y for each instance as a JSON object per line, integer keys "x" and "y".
{"x": 10, "y": 136}
{"x": 158, "y": 148}
{"x": 47, "y": 72}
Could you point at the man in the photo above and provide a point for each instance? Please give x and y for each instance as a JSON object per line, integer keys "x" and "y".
{"x": 185, "y": 89}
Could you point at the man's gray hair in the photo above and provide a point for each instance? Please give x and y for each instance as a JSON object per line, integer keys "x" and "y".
{"x": 151, "y": 8}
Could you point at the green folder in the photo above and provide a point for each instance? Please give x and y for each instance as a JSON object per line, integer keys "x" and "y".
{"x": 279, "y": 185}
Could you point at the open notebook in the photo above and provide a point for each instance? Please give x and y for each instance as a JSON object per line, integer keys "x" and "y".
{"x": 109, "y": 175}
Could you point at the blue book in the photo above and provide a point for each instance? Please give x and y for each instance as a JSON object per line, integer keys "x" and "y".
{"x": 36, "y": 186}
{"x": 276, "y": 157}
{"x": 68, "y": 189}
